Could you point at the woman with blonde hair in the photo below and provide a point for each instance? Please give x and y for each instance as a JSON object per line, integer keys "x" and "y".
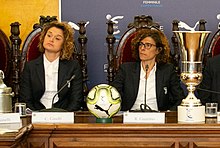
{"x": 43, "y": 77}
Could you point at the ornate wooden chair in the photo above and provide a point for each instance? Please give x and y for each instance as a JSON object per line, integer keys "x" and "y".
{"x": 123, "y": 50}
{"x": 5, "y": 56}
{"x": 214, "y": 47}
{"x": 15, "y": 64}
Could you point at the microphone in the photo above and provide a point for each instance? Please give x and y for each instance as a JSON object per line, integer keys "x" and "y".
{"x": 53, "y": 109}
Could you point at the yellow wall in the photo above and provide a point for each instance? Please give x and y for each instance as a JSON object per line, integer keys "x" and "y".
{"x": 26, "y": 12}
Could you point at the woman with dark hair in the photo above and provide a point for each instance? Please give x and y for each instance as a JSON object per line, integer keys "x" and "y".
{"x": 44, "y": 76}
{"x": 150, "y": 82}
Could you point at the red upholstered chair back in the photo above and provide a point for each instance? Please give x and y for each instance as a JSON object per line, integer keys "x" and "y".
{"x": 32, "y": 50}
{"x": 214, "y": 47}
{"x": 30, "y": 47}
{"x": 4, "y": 55}
{"x": 124, "y": 46}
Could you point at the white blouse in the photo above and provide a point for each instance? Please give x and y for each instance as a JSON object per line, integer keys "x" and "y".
{"x": 51, "y": 80}
{"x": 151, "y": 99}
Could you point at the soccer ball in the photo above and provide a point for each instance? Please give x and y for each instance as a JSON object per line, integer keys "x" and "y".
{"x": 103, "y": 101}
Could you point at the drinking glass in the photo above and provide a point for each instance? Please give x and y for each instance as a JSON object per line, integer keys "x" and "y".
{"x": 20, "y": 108}
{"x": 211, "y": 109}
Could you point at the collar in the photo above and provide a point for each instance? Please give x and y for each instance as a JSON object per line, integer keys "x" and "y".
{"x": 55, "y": 62}
{"x": 143, "y": 72}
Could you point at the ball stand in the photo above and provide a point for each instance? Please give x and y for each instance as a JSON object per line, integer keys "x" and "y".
{"x": 103, "y": 120}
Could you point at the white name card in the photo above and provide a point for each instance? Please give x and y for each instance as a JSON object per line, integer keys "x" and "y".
{"x": 10, "y": 127}
{"x": 143, "y": 117}
{"x": 10, "y": 118}
{"x": 218, "y": 116}
{"x": 52, "y": 117}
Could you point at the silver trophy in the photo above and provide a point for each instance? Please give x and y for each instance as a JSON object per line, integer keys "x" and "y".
{"x": 192, "y": 44}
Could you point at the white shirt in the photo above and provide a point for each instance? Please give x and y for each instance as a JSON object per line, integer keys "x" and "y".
{"x": 51, "y": 79}
{"x": 151, "y": 99}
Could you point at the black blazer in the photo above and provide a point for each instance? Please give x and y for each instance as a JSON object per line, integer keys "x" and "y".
{"x": 33, "y": 85}
{"x": 211, "y": 81}
{"x": 169, "y": 92}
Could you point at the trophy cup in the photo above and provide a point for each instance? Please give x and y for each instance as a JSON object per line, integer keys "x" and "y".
{"x": 192, "y": 45}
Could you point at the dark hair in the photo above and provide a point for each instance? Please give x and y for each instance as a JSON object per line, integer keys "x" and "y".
{"x": 68, "y": 44}
{"x": 160, "y": 39}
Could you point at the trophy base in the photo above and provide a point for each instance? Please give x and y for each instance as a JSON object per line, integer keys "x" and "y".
{"x": 191, "y": 103}
{"x": 191, "y": 114}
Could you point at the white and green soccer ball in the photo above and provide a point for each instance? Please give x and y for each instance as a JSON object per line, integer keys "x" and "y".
{"x": 103, "y": 101}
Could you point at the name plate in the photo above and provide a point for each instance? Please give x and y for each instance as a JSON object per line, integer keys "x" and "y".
{"x": 52, "y": 117}
{"x": 143, "y": 117}
{"x": 218, "y": 116}
{"x": 10, "y": 118}
{"x": 10, "y": 127}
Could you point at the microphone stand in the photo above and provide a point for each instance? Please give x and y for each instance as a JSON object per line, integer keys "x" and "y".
{"x": 53, "y": 109}
{"x": 144, "y": 107}
{"x": 145, "y": 99}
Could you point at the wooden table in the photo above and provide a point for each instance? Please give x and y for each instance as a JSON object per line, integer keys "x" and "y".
{"x": 15, "y": 138}
{"x": 87, "y": 134}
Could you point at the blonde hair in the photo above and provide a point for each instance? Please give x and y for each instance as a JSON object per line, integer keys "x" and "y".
{"x": 68, "y": 47}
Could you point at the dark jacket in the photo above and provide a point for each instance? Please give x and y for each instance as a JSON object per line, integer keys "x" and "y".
{"x": 211, "y": 81}
{"x": 32, "y": 85}
{"x": 169, "y": 92}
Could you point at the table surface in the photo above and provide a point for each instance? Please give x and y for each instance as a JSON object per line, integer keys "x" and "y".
{"x": 85, "y": 128}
